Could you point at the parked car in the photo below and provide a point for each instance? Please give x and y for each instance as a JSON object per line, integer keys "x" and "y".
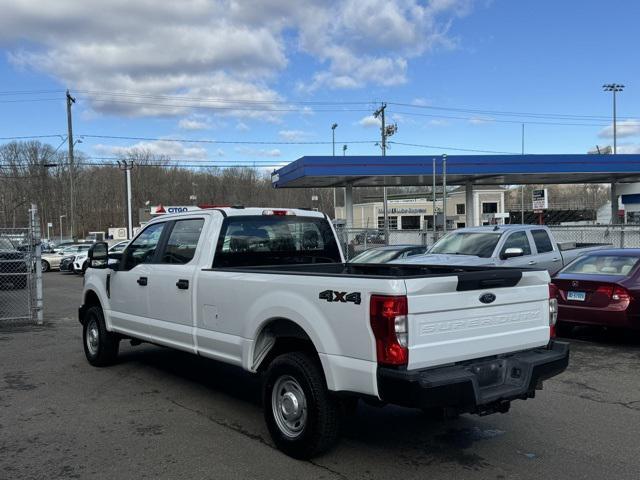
{"x": 505, "y": 246}
{"x": 388, "y": 254}
{"x": 269, "y": 291}
{"x": 13, "y": 265}
{"x": 369, "y": 237}
{"x": 69, "y": 255}
{"x": 600, "y": 288}
{"x": 50, "y": 261}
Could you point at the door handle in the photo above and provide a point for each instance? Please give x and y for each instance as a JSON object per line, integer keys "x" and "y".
{"x": 142, "y": 281}
{"x": 555, "y": 259}
{"x": 182, "y": 284}
{"x": 531, "y": 262}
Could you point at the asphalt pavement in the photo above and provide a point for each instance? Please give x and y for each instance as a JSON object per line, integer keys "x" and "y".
{"x": 160, "y": 413}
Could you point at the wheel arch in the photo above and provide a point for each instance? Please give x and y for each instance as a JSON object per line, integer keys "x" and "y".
{"x": 276, "y": 336}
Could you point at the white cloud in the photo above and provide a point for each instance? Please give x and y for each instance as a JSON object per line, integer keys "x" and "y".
{"x": 219, "y": 49}
{"x": 242, "y": 127}
{"x": 253, "y": 152}
{"x": 165, "y": 148}
{"x": 194, "y": 123}
{"x": 480, "y": 120}
{"x": 369, "y": 122}
{"x": 293, "y": 135}
{"x": 628, "y": 148}
{"x": 624, "y": 128}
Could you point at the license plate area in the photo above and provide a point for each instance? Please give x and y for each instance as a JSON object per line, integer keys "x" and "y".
{"x": 576, "y": 296}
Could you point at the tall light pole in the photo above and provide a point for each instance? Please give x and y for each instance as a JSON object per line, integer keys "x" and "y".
{"x": 344, "y": 150}
{"x": 333, "y": 145}
{"x": 614, "y": 88}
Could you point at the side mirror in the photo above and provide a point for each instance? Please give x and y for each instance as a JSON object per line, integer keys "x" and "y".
{"x": 512, "y": 252}
{"x": 98, "y": 255}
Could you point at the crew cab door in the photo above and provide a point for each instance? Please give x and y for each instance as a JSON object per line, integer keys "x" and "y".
{"x": 129, "y": 284}
{"x": 171, "y": 284}
{"x": 548, "y": 256}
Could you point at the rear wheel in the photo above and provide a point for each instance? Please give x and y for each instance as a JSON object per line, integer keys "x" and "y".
{"x": 302, "y": 416}
{"x": 45, "y": 266}
{"x": 100, "y": 346}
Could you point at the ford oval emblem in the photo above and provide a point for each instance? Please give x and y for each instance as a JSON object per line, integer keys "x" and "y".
{"x": 487, "y": 298}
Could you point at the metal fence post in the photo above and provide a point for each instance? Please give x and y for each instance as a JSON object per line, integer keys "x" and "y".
{"x": 37, "y": 245}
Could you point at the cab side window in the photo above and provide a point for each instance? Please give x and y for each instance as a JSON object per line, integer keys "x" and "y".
{"x": 518, "y": 240}
{"x": 542, "y": 241}
{"x": 182, "y": 243}
{"x": 143, "y": 248}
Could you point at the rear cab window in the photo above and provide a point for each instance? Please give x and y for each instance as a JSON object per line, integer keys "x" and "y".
{"x": 260, "y": 240}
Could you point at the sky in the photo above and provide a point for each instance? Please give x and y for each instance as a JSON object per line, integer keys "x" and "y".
{"x": 260, "y": 82}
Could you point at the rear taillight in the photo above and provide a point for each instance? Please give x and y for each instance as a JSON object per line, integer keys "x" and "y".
{"x": 620, "y": 298}
{"x": 553, "y": 309}
{"x": 388, "y": 316}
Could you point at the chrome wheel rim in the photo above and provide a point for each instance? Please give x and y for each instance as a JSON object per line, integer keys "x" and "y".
{"x": 289, "y": 406}
{"x": 92, "y": 336}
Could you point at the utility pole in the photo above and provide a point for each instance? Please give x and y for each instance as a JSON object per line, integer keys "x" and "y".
{"x": 344, "y": 150}
{"x": 614, "y": 88}
{"x": 127, "y": 167}
{"x": 70, "y": 101}
{"x": 522, "y": 186}
{"x": 333, "y": 145}
{"x": 385, "y": 131}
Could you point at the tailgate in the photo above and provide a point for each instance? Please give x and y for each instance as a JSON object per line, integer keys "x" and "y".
{"x": 448, "y": 321}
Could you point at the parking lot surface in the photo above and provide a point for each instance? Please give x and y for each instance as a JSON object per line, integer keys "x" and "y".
{"x": 163, "y": 413}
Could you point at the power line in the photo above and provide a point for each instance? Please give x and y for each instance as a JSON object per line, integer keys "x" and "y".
{"x": 503, "y": 112}
{"x": 491, "y": 120}
{"x": 32, "y": 136}
{"x": 221, "y": 142}
{"x": 440, "y": 147}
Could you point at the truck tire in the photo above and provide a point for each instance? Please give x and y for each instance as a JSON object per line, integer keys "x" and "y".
{"x": 302, "y": 416}
{"x": 100, "y": 346}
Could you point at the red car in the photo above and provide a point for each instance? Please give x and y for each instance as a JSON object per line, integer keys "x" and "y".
{"x": 600, "y": 288}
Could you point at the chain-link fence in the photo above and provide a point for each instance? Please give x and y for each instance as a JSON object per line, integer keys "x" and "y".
{"x": 357, "y": 240}
{"x": 21, "y": 272}
{"x": 619, "y": 236}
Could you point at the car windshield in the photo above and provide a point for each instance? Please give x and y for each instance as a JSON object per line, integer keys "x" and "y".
{"x": 5, "y": 244}
{"x": 480, "y": 244}
{"x": 375, "y": 256}
{"x": 602, "y": 265}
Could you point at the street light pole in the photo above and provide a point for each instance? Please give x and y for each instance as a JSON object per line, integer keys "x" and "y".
{"x": 614, "y": 88}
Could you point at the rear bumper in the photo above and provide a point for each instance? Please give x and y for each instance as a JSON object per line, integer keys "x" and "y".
{"x": 575, "y": 315}
{"x": 482, "y": 386}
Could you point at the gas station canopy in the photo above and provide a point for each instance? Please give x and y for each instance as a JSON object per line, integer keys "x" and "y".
{"x": 409, "y": 170}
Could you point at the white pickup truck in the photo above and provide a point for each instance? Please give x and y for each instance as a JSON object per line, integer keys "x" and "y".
{"x": 269, "y": 290}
